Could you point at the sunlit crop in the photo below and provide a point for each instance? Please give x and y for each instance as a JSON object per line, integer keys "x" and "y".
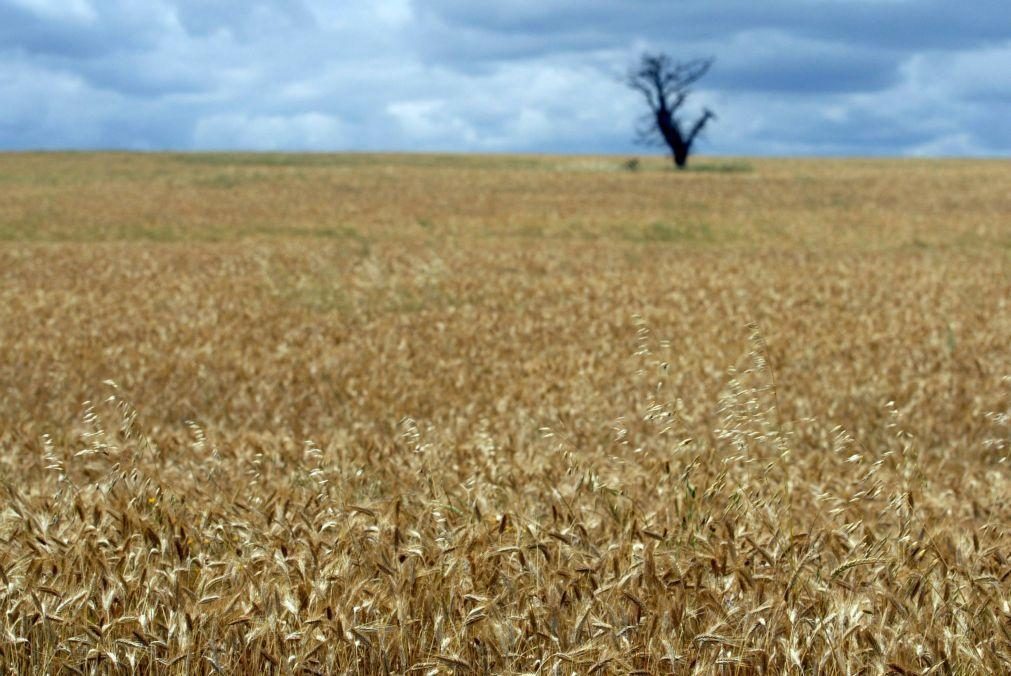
{"x": 416, "y": 414}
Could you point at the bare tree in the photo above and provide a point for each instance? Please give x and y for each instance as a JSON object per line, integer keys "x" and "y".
{"x": 666, "y": 85}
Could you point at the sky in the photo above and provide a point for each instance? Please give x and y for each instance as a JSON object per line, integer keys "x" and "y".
{"x": 791, "y": 77}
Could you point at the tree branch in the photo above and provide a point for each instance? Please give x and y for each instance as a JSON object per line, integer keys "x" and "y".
{"x": 645, "y": 90}
{"x": 677, "y": 101}
{"x": 699, "y": 124}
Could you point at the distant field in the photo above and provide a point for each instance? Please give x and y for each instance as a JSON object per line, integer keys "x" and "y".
{"x": 417, "y": 413}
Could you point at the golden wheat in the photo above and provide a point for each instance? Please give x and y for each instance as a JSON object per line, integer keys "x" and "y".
{"x": 414, "y": 414}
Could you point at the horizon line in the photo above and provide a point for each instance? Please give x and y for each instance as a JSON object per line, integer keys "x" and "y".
{"x": 484, "y": 153}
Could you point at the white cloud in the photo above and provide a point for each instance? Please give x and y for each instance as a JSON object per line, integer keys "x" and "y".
{"x": 432, "y": 125}
{"x": 956, "y": 144}
{"x": 304, "y": 131}
{"x": 979, "y": 74}
{"x": 396, "y": 12}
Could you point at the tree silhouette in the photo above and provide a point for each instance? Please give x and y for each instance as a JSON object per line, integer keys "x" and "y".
{"x": 666, "y": 85}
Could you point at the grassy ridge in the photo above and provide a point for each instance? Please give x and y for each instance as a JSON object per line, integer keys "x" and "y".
{"x": 506, "y": 414}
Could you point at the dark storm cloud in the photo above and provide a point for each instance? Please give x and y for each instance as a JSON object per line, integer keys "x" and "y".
{"x": 791, "y": 76}
{"x": 776, "y": 62}
{"x": 82, "y": 34}
{"x": 901, "y": 24}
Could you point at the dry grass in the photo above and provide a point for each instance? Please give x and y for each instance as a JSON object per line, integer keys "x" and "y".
{"x": 424, "y": 414}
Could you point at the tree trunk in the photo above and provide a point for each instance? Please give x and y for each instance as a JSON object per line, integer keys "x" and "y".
{"x": 680, "y": 157}
{"x": 672, "y": 135}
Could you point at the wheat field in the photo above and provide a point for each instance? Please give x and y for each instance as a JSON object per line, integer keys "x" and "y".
{"x": 417, "y": 414}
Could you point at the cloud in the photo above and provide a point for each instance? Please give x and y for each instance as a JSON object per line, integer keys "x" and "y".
{"x": 245, "y": 20}
{"x": 238, "y": 131}
{"x": 55, "y": 109}
{"x": 904, "y": 24}
{"x": 433, "y": 124}
{"x": 776, "y": 62}
{"x": 78, "y": 29}
{"x": 520, "y": 107}
{"x": 791, "y": 76}
{"x": 77, "y": 11}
